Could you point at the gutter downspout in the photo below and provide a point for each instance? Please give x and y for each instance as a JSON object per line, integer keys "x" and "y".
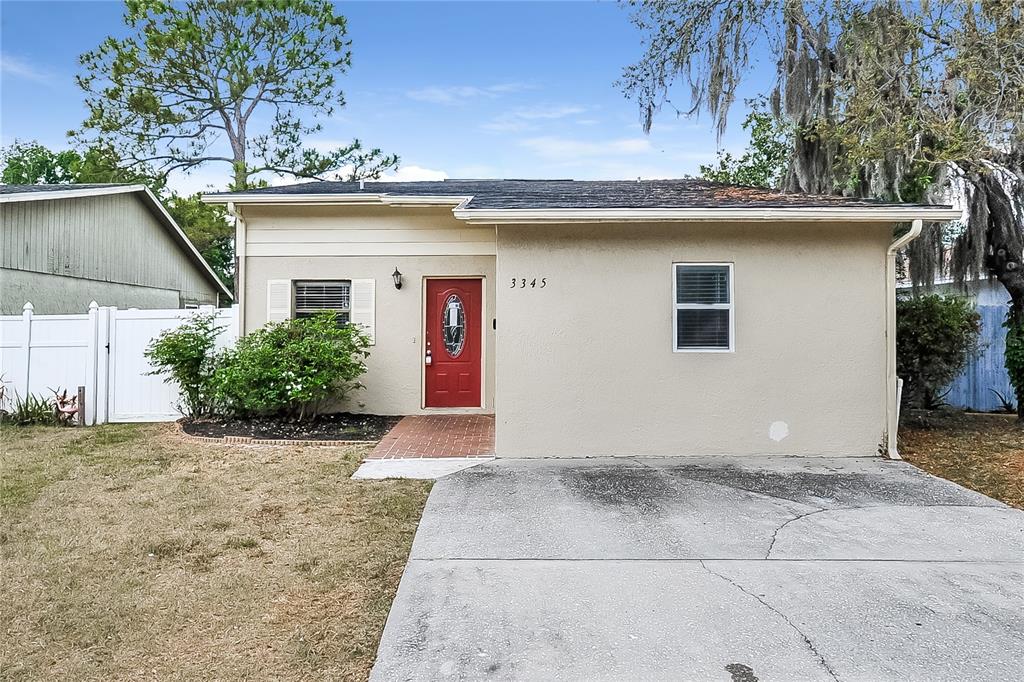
{"x": 240, "y": 240}
{"x": 893, "y": 384}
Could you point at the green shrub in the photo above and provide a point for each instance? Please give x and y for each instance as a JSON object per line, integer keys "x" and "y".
{"x": 935, "y": 336}
{"x": 1015, "y": 358}
{"x": 292, "y": 367}
{"x": 186, "y": 355}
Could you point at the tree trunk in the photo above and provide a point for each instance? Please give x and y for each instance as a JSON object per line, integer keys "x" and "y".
{"x": 241, "y": 176}
{"x": 1005, "y": 239}
{"x": 1015, "y": 329}
{"x": 241, "y": 170}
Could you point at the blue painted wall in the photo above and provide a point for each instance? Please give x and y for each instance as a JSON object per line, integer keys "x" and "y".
{"x": 973, "y": 388}
{"x": 986, "y": 371}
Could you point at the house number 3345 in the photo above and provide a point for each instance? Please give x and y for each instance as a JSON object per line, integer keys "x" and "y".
{"x": 535, "y": 283}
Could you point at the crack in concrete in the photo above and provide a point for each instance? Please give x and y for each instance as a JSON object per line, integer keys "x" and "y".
{"x": 775, "y": 535}
{"x": 780, "y": 614}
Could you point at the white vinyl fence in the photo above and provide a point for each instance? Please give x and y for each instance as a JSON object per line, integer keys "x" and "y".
{"x": 102, "y": 350}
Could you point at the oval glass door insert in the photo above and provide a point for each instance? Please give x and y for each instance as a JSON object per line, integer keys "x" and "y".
{"x": 453, "y": 323}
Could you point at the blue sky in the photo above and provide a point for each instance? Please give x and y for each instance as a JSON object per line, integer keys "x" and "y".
{"x": 457, "y": 89}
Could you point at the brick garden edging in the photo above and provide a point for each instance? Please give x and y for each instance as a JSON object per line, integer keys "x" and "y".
{"x": 248, "y": 440}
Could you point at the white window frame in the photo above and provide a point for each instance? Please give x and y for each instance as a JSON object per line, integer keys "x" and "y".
{"x": 676, "y": 306}
{"x": 296, "y": 311}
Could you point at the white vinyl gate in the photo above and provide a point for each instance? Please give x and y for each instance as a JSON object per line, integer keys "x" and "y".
{"x": 104, "y": 351}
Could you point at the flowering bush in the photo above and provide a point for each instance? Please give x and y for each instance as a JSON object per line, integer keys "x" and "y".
{"x": 293, "y": 367}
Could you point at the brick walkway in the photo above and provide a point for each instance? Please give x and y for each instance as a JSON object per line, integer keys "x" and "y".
{"x": 442, "y": 435}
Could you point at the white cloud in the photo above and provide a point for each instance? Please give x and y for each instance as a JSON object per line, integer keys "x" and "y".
{"x": 275, "y": 180}
{"x": 509, "y": 87}
{"x": 460, "y": 94}
{"x": 215, "y": 177}
{"x": 566, "y": 149}
{"x": 414, "y": 174}
{"x": 325, "y": 146}
{"x": 523, "y": 118}
{"x": 21, "y": 68}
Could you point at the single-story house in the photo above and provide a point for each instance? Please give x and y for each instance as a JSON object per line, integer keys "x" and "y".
{"x": 64, "y": 246}
{"x": 599, "y": 318}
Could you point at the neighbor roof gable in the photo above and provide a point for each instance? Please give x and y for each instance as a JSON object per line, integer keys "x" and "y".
{"x": 22, "y": 193}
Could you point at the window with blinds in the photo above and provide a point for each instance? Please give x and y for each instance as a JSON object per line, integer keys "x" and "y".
{"x": 316, "y": 297}
{"x": 703, "y": 307}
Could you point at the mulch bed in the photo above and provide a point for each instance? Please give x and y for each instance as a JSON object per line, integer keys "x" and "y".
{"x": 335, "y": 427}
{"x": 984, "y": 452}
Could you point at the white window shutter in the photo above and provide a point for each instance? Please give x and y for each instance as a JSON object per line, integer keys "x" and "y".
{"x": 279, "y": 299}
{"x": 363, "y": 295}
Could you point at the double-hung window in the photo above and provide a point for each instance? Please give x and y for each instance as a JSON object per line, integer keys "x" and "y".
{"x": 314, "y": 297}
{"x": 704, "y": 309}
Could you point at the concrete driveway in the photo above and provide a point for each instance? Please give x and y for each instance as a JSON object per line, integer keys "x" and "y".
{"x": 708, "y": 569}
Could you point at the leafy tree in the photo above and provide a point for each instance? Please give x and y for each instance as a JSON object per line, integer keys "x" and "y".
{"x": 206, "y": 225}
{"x": 209, "y": 229}
{"x": 195, "y": 74}
{"x": 935, "y": 337}
{"x": 886, "y": 99}
{"x": 764, "y": 162}
{"x": 30, "y": 163}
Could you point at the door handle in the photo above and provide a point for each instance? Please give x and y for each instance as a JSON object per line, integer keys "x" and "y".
{"x": 428, "y": 359}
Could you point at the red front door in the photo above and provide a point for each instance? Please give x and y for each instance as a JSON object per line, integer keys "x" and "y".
{"x": 452, "y": 348}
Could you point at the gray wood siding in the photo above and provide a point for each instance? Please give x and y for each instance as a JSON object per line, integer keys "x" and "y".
{"x": 112, "y": 238}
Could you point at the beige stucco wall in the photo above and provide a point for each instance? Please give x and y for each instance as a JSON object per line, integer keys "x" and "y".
{"x": 585, "y": 366}
{"x": 370, "y": 242}
{"x": 362, "y": 231}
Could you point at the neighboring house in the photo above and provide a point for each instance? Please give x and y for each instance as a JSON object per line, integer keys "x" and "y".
{"x": 599, "y": 318}
{"x": 985, "y": 375}
{"x": 64, "y": 246}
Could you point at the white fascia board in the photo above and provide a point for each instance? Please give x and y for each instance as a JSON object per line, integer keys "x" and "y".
{"x": 276, "y": 199}
{"x": 69, "y": 193}
{"x": 652, "y": 215}
{"x": 393, "y": 200}
{"x": 601, "y": 215}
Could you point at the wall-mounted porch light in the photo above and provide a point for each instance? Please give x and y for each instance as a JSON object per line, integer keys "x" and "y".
{"x": 397, "y": 276}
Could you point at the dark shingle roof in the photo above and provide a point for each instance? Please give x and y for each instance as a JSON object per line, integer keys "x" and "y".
{"x": 542, "y": 194}
{"x": 22, "y": 189}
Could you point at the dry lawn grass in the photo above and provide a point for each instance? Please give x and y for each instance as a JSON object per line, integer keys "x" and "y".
{"x": 980, "y": 452}
{"x": 127, "y": 552}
